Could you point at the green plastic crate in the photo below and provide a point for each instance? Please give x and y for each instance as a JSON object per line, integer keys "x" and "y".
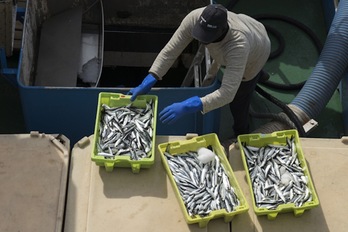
{"x": 115, "y": 100}
{"x": 179, "y": 147}
{"x": 278, "y": 138}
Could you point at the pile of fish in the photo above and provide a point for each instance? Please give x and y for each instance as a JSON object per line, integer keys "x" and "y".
{"x": 203, "y": 187}
{"x": 126, "y": 130}
{"x": 276, "y": 175}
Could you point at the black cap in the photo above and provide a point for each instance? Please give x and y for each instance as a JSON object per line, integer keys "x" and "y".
{"x": 212, "y": 23}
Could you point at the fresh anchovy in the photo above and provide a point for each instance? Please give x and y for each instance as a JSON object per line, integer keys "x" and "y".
{"x": 276, "y": 175}
{"x": 203, "y": 187}
{"x": 126, "y": 130}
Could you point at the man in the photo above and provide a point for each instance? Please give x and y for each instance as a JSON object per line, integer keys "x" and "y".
{"x": 235, "y": 41}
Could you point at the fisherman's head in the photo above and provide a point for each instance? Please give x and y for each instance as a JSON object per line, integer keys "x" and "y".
{"x": 211, "y": 25}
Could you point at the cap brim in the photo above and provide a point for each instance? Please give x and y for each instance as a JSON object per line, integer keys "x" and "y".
{"x": 205, "y": 35}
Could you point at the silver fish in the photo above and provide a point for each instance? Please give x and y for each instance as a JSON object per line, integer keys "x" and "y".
{"x": 126, "y": 130}
{"x": 210, "y": 187}
{"x": 281, "y": 179}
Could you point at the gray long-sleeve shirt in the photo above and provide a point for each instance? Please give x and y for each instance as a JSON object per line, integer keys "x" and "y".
{"x": 243, "y": 52}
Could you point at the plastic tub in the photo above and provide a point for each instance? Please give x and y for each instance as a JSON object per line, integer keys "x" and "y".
{"x": 278, "y": 138}
{"x": 179, "y": 147}
{"x": 120, "y": 100}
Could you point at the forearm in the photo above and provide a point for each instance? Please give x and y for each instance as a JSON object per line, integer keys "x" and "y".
{"x": 231, "y": 80}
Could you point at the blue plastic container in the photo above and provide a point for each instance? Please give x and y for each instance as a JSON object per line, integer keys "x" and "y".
{"x": 72, "y": 110}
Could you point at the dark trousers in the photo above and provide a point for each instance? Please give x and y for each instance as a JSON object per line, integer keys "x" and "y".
{"x": 240, "y": 105}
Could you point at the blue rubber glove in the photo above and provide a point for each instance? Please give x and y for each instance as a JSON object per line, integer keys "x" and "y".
{"x": 144, "y": 87}
{"x": 172, "y": 113}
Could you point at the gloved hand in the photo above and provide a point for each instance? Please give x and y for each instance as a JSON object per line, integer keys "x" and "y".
{"x": 144, "y": 87}
{"x": 172, "y": 113}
